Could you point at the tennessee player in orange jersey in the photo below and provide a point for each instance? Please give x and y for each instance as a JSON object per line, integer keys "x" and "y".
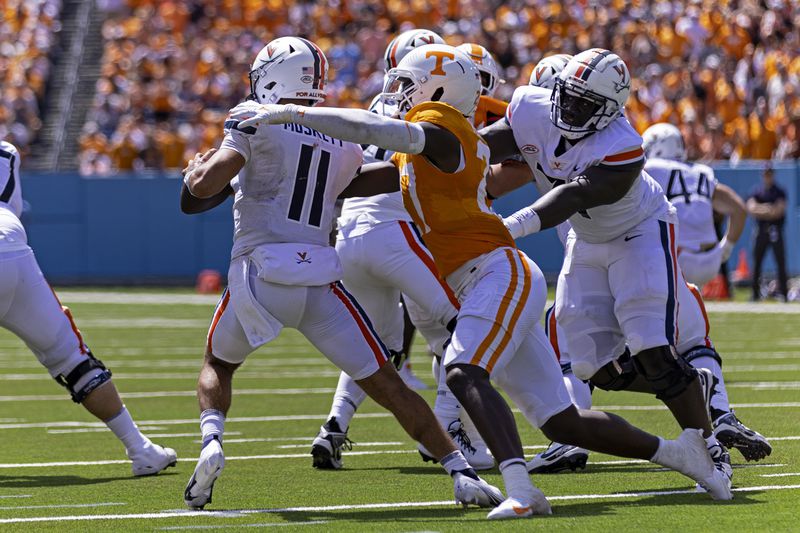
{"x": 490, "y": 109}
{"x": 442, "y": 165}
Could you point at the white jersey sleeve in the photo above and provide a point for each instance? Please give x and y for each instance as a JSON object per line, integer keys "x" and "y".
{"x": 690, "y": 188}
{"x": 555, "y": 161}
{"x": 12, "y": 234}
{"x": 236, "y": 140}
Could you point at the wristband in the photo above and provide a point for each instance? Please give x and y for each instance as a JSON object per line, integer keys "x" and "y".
{"x": 523, "y": 222}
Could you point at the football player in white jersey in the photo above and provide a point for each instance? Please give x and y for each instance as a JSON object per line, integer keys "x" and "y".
{"x": 620, "y": 284}
{"x": 442, "y": 166}
{"x": 283, "y": 271}
{"x": 696, "y": 194}
{"x": 30, "y": 309}
{"x": 383, "y": 255}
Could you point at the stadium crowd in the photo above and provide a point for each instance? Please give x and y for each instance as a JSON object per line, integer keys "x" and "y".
{"x": 726, "y": 71}
{"x": 27, "y": 34}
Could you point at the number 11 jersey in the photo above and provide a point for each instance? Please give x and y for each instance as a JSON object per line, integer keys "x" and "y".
{"x": 286, "y": 191}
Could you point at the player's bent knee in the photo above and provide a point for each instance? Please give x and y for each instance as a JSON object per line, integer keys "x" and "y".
{"x": 462, "y": 377}
{"x": 616, "y": 375}
{"x": 84, "y": 378}
{"x": 563, "y": 427}
{"x": 668, "y": 375}
{"x": 701, "y": 351}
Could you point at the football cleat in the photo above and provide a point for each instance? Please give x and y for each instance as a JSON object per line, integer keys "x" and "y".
{"x": 689, "y": 456}
{"x": 722, "y": 462}
{"x": 707, "y": 382}
{"x": 152, "y": 459}
{"x": 558, "y": 458}
{"x": 475, "y": 491}
{"x": 515, "y": 508}
{"x": 474, "y": 449}
{"x": 326, "y": 449}
{"x": 733, "y": 434}
{"x": 209, "y": 467}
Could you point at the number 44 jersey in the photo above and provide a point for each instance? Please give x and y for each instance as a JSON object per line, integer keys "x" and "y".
{"x": 690, "y": 188}
{"x": 287, "y": 189}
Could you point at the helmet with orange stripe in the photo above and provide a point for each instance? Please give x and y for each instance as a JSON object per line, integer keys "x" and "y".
{"x": 405, "y": 42}
{"x": 289, "y": 68}
{"x": 487, "y": 66}
{"x": 437, "y": 73}
{"x": 589, "y": 93}
{"x": 545, "y": 72}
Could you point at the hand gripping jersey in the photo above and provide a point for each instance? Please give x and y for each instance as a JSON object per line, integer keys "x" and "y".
{"x": 286, "y": 191}
{"x": 489, "y": 111}
{"x": 689, "y": 187}
{"x": 359, "y": 214}
{"x": 12, "y": 234}
{"x": 451, "y": 209}
{"x": 617, "y": 144}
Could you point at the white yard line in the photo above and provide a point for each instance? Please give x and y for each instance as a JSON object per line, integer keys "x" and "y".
{"x": 127, "y": 298}
{"x": 237, "y": 526}
{"x": 781, "y": 475}
{"x": 42, "y": 376}
{"x": 176, "y": 394}
{"x": 359, "y": 443}
{"x": 387, "y": 505}
{"x": 61, "y": 506}
{"x": 15, "y": 496}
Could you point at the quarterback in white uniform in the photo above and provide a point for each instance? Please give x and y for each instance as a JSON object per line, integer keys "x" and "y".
{"x": 284, "y": 273}
{"x": 620, "y": 283}
{"x": 383, "y": 255}
{"x": 30, "y": 309}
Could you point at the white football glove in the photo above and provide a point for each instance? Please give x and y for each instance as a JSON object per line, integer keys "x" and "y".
{"x": 271, "y": 114}
{"x": 727, "y": 248}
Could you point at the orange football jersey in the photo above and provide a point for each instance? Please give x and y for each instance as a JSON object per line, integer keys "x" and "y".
{"x": 451, "y": 209}
{"x": 489, "y": 111}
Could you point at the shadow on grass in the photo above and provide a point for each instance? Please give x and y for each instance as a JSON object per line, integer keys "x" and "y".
{"x": 11, "y": 482}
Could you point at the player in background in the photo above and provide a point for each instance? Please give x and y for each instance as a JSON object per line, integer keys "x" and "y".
{"x": 696, "y": 194}
{"x": 442, "y": 166}
{"x": 283, "y": 271}
{"x": 620, "y": 285}
{"x": 490, "y": 109}
{"x": 383, "y": 257}
{"x": 30, "y": 309}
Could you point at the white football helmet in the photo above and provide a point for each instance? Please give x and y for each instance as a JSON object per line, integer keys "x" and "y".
{"x": 404, "y": 43}
{"x": 289, "y": 67}
{"x": 434, "y": 72}
{"x": 664, "y": 141}
{"x": 487, "y": 66}
{"x": 589, "y": 93}
{"x": 544, "y": 73}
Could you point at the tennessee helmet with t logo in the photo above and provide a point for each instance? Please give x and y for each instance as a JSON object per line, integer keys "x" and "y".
{"x": 545, "y": 72}
{"x": 589, "y": 93}
{"x": 404, "y": 43}
{"x": 438, "y": 73}
{"x": 289, "y": 67}
{"x": 487, "y": 66}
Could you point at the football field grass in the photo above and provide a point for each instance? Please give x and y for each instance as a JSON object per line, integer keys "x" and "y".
{"x": 60, "y": 469}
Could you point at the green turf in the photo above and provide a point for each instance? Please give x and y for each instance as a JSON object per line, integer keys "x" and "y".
{"x": 158, "y": 348}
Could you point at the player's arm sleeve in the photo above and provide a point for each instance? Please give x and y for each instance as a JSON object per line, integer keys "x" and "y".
{"x": 600, "y": 185}
{"x": 363, "y": 127}
{"x": 372, "y": 179}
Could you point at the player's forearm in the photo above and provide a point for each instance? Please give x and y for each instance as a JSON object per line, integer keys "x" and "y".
{"x": 548, "y": 211}
{"x": 192, "y": 205}
{"x": 362, "y": 127}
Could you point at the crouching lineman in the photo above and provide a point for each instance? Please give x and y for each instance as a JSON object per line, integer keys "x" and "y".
{"x": 283, "y": 271}
{"x": 620, "y": 284}
{"x": 441, "y": 166}
{"x": 30, "y": 309}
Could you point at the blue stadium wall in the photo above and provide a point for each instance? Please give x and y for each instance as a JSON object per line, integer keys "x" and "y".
{"x": 128, "y": 229}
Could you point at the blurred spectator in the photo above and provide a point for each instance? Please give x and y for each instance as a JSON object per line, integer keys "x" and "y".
{"x": 767, "y": 204}
{"x": 27, "y": 33}
{"x": 727, "y": 72}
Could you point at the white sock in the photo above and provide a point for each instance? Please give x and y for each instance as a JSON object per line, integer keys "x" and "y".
{"x": 436, "y": 367}
{"x": 517, "y": 481}
{"x": 579, "y": 392}
{"x": 446, "y": 407}
{"x": 212, "y": 424}
{"x": 664, "y": 453}
{"x": 711, "y": 441}
{"x": 719, "y": 398}
{"x": 456, "y": 462}
{"x": 346, "y": 400}
{"x": 126, "y": 431}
